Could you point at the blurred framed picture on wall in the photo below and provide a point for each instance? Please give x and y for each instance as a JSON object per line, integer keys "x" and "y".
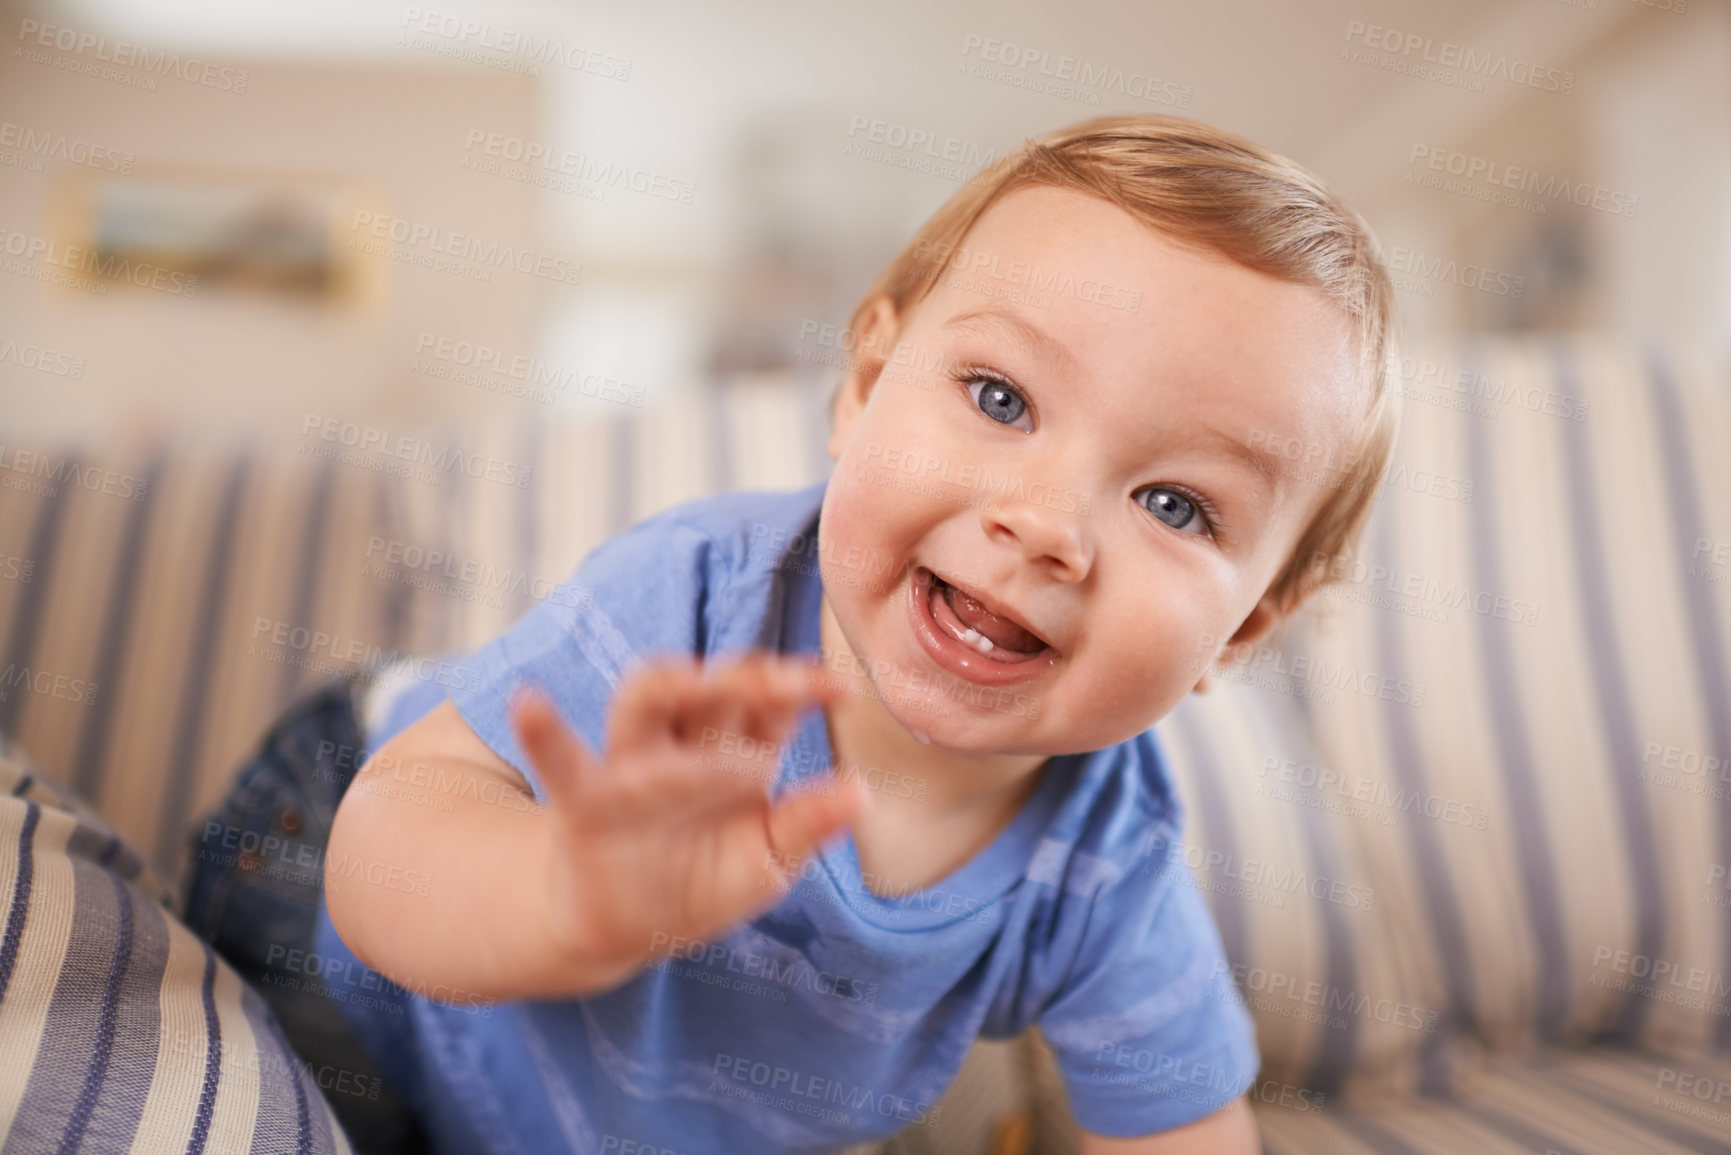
{"x": 194, "y": 231}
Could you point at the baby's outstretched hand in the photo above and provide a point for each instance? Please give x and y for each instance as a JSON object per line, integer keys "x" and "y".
{"x": 674, "y": 834}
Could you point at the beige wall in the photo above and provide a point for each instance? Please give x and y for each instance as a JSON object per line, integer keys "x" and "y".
{"x": 390, "y": 135}
{"x": 753, "y": 104}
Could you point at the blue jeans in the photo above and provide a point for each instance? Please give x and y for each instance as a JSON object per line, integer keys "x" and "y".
{"x": 252, "y": 891}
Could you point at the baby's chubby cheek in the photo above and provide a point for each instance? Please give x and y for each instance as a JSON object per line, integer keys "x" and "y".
{"x": 865, "y": 540}
{"x": 1122, "y": 683}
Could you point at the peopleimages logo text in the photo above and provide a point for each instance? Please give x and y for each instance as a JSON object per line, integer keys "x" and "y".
{"x": 1503, "y": 175}
{"x": 1448, "y": 54}
{"x": 123, "y": 54}
{"x": 418, "y": 450}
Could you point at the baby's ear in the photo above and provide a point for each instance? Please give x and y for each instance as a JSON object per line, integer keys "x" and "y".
{"x": 1264, "y": 616}
{"x": 877, "y": 329}
{"x": 872, "y": 341}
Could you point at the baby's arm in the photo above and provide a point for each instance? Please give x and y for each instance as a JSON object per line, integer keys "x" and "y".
{"x": 663, "y": 839}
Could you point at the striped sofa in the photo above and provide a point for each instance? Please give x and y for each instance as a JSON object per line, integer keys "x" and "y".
{"x": 1465, "y": 822}
{"x": 120, "y": 1029}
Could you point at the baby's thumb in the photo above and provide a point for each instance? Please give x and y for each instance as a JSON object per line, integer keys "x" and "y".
{"x": 806, "y": 820}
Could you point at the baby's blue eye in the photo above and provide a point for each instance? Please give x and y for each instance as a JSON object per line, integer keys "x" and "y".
{"x": 1175, "y": 510}
{"x": 1001, "y": 402}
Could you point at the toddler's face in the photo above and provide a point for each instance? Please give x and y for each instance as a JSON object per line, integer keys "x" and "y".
{"x": 1046, "y": 517}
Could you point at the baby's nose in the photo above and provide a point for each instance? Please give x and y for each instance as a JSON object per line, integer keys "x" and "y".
{"x": 1051, "y": 532}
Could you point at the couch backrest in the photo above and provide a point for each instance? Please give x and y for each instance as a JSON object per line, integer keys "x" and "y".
{"x": 1550, "y": 572}
{"x": 160, "y": 603}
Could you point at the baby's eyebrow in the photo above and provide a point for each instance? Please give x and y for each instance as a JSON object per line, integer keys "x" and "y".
{"x": 1036, "y": 338}
{"x": 1260, "y": 459}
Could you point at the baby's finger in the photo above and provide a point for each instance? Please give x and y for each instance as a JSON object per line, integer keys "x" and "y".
{"x": 565, "y": 763}
{"x": 802, "y": 822}
{"x": 718, "y": 756}
{"x": 732, "y": 694}
{"x": 785, "y": 684}
{"x": 674, "y": 752}
{"x": 750, "y": 709}
{"x": 806, "y": 682}
{"x": 649, "y": 702}
{"x": 798, "y": 687}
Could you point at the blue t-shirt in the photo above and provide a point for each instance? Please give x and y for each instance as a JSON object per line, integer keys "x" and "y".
{"x": 839, "y": 1015}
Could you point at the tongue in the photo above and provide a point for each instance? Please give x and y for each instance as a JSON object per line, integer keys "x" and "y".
{"x": 1001, "y": 633}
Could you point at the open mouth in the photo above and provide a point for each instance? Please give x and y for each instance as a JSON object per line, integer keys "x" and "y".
{"x": 963, "y": 618}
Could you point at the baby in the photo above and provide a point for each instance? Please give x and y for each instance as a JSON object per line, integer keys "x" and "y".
{"x": 789, "y": 797}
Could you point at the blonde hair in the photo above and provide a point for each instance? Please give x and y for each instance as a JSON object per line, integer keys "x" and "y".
{"x": 1219, "y": 191}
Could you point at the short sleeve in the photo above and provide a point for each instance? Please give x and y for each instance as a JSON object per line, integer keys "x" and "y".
{"x": 1149, "y": 1030}
{"x": 638, "y": 595}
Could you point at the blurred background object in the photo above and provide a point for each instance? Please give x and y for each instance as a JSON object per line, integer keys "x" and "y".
{"x": 229, "y": 214}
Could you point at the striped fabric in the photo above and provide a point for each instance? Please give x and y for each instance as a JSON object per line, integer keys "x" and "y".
{"x": 1571, "y": 631}
{"x": 1317, "y": 936}
{"x": 123, "y": 1034}
{"x": 1601, "y": 1101}
{"x": 160, "y": 605}
{"x": 593, "y": 476}
{"x": 1598, "y": 1102}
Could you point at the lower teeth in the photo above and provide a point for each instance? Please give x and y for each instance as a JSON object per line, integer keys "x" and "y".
{"x": 978, "y": 640}
{"x": 970, "y": 636}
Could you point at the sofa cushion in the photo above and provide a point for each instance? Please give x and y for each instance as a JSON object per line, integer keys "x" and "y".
{"x": 160, "y": 603}
{"x": 1548, "y": 565}
{"x": 1600, "y": 1101}
{"x": 122, "y": 1030}
{"x": 1320, "y": 942}
{"x": 1597, "y": 1102}
{"x": 590, "y": 475}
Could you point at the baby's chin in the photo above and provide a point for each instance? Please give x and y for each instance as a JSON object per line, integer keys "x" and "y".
{"x": 959, "y": 728}
{"x": 977, "y": 730}
{"x": 943, "y": 724}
